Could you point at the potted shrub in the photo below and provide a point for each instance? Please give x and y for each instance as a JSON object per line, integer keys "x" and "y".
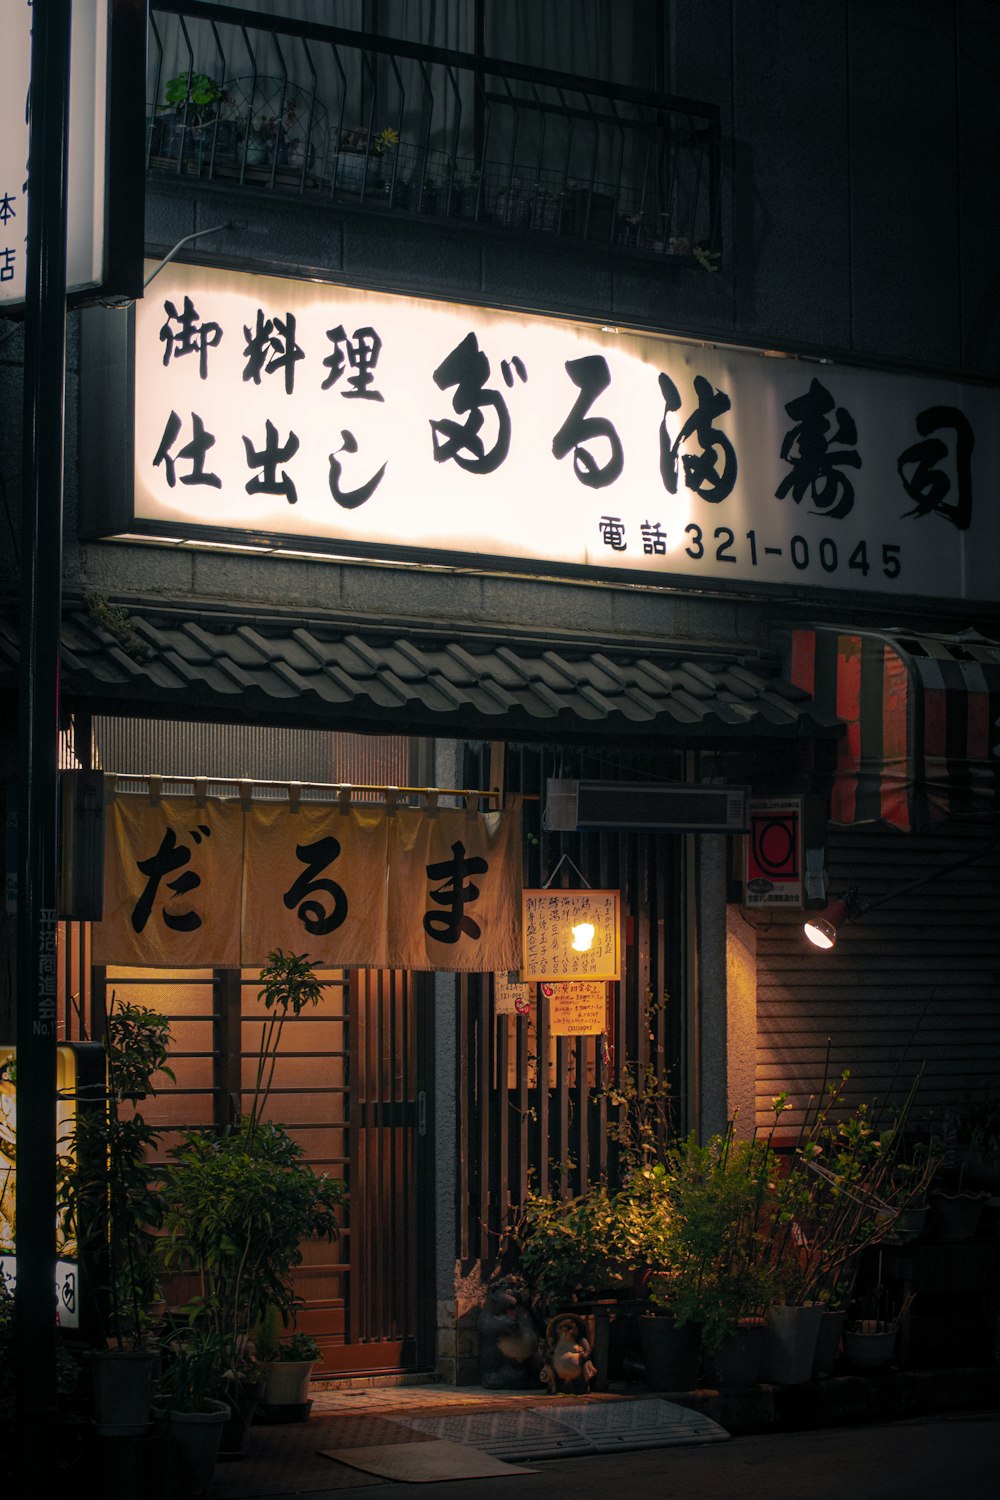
{"x": 191, "y": 1412}
{"x": 569, "y": 1249}
{"x": 597, "y": 1248}
{"x": 238, "y": 1202}
{"x": 970, "y": 1169}
{"x": 850, "y": 1179}
{"x": 111, "y": 1207}
{"x": 191, "y": 122}
{"x": 287, "y": 1365}
{"x": 715, "y": 1277}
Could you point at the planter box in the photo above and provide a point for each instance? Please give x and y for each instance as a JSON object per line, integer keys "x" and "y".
{"x": 286, "y": 1382}
{"x": 869, "y": 1347}
{"x": 671, "y": 1355}
{"x": 737, "y": 1360}
{"x": 123, "y": 1383}
{"x": 793, "y": 1333}
{"x": 184, "y": 1451}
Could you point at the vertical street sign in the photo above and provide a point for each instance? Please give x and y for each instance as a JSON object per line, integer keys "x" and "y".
{"x": 88, "y": 145}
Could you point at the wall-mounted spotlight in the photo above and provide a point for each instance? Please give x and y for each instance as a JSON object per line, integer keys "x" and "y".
{"x": 822, "y": 929}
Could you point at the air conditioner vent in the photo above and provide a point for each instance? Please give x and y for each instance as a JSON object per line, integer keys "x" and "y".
{"x": 572, "y": 805}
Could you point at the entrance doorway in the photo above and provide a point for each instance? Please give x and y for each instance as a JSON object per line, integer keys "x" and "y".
{"x": 349, "y": 1088}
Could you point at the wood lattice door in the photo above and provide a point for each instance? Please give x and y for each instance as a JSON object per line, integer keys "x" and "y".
{"x": 347, "y": 1088}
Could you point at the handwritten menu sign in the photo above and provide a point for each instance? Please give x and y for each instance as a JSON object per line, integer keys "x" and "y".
{"x": 577, "y": 1008}
{"x": 511, "y": 997}
{"x": 548, "y": 920}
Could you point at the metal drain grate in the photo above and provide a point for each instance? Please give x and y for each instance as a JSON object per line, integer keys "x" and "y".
{"x": 541, "y": 1432}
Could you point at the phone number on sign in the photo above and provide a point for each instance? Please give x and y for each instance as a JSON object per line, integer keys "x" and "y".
{"x": 724, "y": 547}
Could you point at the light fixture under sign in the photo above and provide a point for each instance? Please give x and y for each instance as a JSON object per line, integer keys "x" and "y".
{"x": 583, "y": 937}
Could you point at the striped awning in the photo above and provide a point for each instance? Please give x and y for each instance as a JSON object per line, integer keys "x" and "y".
{"x": 923, "y": 722}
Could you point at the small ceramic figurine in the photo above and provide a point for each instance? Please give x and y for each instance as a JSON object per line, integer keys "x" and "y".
{"x": 568, "y": 1369}
{"x": 508, "y": 1341}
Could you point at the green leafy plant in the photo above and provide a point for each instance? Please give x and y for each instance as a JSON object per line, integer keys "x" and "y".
{"x": 196, "y": 93}
{"x": 270, "y": 1347}
{"x": 114, "y": 618}
{"x": 574, "y": 1249}
{"x": 639, "y": 1102}
{"x": 568, "y": 1247}
{"x": 852, "y": 1175}
{"x": 288, "y": 985}
{"x": 971, "y": 1141}
{"x": 193, "y": 1371}
{"x": 236, "y": 1207}
{"x": 108, "y": 1185}
{"x": 239, "y": 1202}
{"x": 715, "y": 1262}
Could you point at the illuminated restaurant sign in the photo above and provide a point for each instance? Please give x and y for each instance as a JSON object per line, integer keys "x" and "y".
{"x": 570, "y": 935}
{"x": 85, "y": 247}
{"x": 321, "y": 419}
{"x": 77, "y": 1068}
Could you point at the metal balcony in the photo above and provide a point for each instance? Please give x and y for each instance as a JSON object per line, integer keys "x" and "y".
{"x": 279, "y": 106}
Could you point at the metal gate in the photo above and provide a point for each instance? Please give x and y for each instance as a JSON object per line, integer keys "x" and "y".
{"x": 542, "y": 1113}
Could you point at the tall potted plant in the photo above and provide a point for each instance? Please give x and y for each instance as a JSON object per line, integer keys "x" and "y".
{"x": 238, "y": 1202}
{"x": 713, "y": 1278}
{"x": 190, "y": 1413}
{"x": 848, "y": 1183}
{"x": 717, "y": 1273}
{"x": 111, "y": 1207}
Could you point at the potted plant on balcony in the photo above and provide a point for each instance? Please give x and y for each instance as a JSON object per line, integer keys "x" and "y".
{"x": 191, "y": 124}
{"x": 970, "y": 1168}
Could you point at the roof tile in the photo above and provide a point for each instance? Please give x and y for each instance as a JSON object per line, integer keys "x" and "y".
{"x": 206, "y": 664}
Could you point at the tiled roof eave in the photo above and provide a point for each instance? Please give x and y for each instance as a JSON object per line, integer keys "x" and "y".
{"x": 295, "y": 671}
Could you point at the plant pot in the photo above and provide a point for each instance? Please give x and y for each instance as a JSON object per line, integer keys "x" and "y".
{"x": 790, "y": 1347}
{"x": 351, "y": 171}
{"x": 286, "y": 1382}
{"x": 670, "y": 1353}
{"x": 184, "y": 1451}
{"x": 123, "y": 1382}
{"x": 828, "y": 1344}
{"x": 242, "y": 1396}
{"x": 737, "y": 1360}
{"x": 869, "y": 1346}
{"x": 911, "y": 1223}
{"x": 955, "y": 1215}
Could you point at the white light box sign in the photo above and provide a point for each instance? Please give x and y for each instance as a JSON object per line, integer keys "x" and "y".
{"x": 319, "y": 416}
{"x": 87, "y": 125}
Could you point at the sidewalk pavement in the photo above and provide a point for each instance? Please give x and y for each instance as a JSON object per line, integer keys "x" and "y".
{"x": 932, "y": 1460}
{"x": 876, "y": 1460}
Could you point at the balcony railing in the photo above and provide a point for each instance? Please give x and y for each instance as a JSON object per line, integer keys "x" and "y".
{"x": 278, "y": 105}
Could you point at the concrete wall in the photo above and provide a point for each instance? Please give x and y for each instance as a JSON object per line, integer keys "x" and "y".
{"x": 861, "y": 154}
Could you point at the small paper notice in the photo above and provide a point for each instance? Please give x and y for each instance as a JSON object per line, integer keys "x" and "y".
{"x": 577, "y": 1008}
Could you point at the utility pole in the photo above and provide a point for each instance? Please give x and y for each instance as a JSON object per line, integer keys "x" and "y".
{"x": 41, "y": 603}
